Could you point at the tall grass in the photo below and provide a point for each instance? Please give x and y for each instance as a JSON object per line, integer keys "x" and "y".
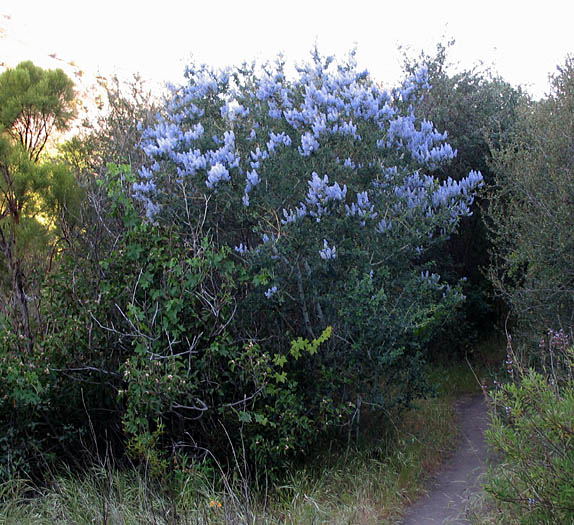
{"x": 372, "y": 485}
{"x": 368, "y": 485}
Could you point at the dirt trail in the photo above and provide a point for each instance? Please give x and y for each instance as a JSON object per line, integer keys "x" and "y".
{"x": 452, "y": 487}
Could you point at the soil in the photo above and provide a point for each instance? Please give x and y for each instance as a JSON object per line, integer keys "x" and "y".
{"x": 453, "y": 487}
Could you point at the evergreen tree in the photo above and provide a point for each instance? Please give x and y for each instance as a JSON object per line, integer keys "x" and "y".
{"x": 33, "y": 104}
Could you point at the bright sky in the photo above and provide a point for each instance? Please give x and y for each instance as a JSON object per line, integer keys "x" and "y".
{"x": 523, "y": 41}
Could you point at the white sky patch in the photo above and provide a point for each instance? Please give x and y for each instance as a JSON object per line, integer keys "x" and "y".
{"x": 523, "y": 42}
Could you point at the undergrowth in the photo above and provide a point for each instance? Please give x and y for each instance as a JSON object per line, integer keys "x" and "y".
{"x": 369, "y": 485}
{"x": 531, "y": 434}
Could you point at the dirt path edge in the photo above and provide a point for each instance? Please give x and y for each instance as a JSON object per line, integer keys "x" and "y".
{"x": 451, "y": 488}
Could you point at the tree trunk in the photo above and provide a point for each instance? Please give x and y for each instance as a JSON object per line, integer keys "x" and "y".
{"x": 20, "y": 298}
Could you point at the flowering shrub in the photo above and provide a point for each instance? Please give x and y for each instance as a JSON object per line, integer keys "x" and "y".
{"x": 317, "y": 184}
{"x": 269, "y": 276}
{"x": 313, "y": 181}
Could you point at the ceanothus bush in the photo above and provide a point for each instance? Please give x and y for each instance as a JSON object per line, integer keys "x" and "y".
{"x": 317, "y": 183}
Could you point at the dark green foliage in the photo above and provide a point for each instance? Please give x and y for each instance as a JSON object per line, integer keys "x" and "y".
{"x": 532, "y": 212}
{"x": 532, "y": 429}
{"x": 144, "y": 345}
{"x": 531, "y": 219}
{"x": 381, "y": 309}
{"x": 154, "y": 336}
{"x": 479, "y": 110}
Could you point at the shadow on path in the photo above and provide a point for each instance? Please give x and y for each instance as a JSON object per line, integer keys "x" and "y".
{"x": 452, "y": 487}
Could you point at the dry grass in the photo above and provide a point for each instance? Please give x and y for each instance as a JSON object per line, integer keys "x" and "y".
{"x": 356, "y": 487}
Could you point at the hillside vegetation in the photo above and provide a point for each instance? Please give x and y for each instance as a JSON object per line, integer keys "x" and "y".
{"x": 202, "y": 295}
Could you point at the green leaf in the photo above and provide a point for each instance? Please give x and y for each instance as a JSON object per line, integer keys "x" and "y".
{"x": 280, "y": 378}
{"x": 279, "y": 360}
{"x": 245, "y": 417}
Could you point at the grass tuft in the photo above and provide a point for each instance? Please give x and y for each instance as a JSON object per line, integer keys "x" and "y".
{"x": 372, "y": 485}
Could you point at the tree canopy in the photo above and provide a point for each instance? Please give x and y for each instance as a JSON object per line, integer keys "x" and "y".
{"x": 33, "y": 103}
{"x": 532, "y": 211}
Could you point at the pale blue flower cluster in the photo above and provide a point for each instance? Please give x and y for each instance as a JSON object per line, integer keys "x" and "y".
{"x": 277, "y": 139}
{"x": 252, "y": 179}
{"x": 143, "y": 191}
{"x": 422, "y": 192}
{"x": 291, "y": 216}
{"x": 328, "y": 109}
{"x": 308, "y": 144}
{"x": 414, "y": 85}
{"x": 363, "y": 208}
{"x": 317, "y": 202}
{"x": 320, "y": 192}
{"x": 241, "y": 249}
{"x": 458, "y": 196}
{"x": 265, "y": 238}
{"x": 216, "y": 174}
{"x": 233, "y": 111}
{"x": 271, "y": 292}
{"x": 430, "y": 278}
{"x": 333, "y": 103}
{"x": 384, "y": 225}
{"x": 257, "y": 157}
{"x": 425, "y": 145}
{"x": 328, "y": 252}
{"x": 433, "y": 280}
{"x": 348, "y": 163}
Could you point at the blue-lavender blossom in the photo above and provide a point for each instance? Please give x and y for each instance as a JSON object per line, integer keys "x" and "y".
{"x": 325, "y": 100}
{"x": 265, "y": 238}
{"x": 458, "y": 196}
{"x": 346, "y": 128}
{"x": 257, "y": 157}
{"x": 233, "y": 110}
{"x": 144, "y": 187}
{"x": 416, "y": 83}
{"x": 271, "y": 292}
{"x": 143, "y": 192}
{"x": 241, "y": 249}
{"x": 320, "y": 193}
{"x": 426, "y": 145}
{"x": 216, "y": 175}
{"x": 349, "y": 163}
{"x": 251, "y": 180}
{"x": 430, "y": 278}
{"x": 277, "y": 139}
{"x": 328, "y": 252}
{"x": 319, "y": 125}
{"x": 191, "y": 161}
{"x": 308, "y": 144}
{"x": 194, "y": 133}
{"x": 363, "y": 208}
{"x": 384, "y": 225}
{"x": 274, "y": 111}
{"x": 292, "y": 216}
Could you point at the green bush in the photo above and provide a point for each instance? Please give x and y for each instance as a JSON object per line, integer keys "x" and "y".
{"x": 153, "y": 357}
{"x": 532, "y": 432}
{"x": 480, "y": 111}
{"x": 263, "y": 276}
{"x": 319, "y": 185}
{"x": 531, "y": 212}
{"x": 530, "y": 217}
